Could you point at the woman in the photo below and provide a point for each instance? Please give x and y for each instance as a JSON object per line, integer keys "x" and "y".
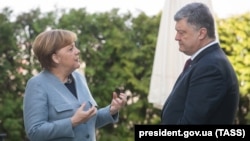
{"x": 58, "y": 105}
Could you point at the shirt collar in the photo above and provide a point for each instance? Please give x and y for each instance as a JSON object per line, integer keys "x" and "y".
{"x": 201, "y": 49}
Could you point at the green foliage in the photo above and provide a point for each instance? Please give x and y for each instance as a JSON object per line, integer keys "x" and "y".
{"x": 234, "y": 33}
{"x": 118, "y": 50}
{"x": 11, "y": 81}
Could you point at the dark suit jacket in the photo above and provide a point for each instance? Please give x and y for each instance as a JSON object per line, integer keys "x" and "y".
{"x": 206, "y": 93}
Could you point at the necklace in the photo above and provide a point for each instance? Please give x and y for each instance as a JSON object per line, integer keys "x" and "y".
{"x": 69, "y": 80}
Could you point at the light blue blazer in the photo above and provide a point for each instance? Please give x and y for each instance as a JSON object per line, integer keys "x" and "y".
{"x": 49, "y": 105}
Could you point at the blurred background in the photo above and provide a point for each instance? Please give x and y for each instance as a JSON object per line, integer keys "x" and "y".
{"x": 118, "y": 41}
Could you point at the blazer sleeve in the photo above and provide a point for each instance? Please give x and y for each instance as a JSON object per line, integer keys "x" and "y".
{"x": 103, "y": 114}
{"x": 104, "y": 117}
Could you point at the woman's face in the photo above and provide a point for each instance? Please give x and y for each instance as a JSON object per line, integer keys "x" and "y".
{"x": 67, "y": 57}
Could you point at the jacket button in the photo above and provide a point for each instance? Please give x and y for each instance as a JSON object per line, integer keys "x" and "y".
{"x": 87, "y": 136}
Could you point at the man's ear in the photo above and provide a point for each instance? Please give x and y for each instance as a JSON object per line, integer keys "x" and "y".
{"x": 203, "y": 33}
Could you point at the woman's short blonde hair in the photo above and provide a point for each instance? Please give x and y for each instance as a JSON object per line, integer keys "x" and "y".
{"x": 48, "y": 42}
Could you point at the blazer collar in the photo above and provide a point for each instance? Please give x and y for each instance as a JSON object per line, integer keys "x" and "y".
{"x": 206, "y": 51}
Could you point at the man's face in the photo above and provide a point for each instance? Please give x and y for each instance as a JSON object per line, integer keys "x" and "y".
{"x": 187, "y": 37}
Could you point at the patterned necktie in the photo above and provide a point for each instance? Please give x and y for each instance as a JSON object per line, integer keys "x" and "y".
{"x": 187, "y": 64}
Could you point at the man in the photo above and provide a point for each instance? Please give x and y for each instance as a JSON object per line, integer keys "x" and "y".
{"x": 207, "y": 91}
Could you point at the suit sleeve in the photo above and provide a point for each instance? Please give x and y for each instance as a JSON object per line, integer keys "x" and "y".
{"x": 205, "y": 93}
